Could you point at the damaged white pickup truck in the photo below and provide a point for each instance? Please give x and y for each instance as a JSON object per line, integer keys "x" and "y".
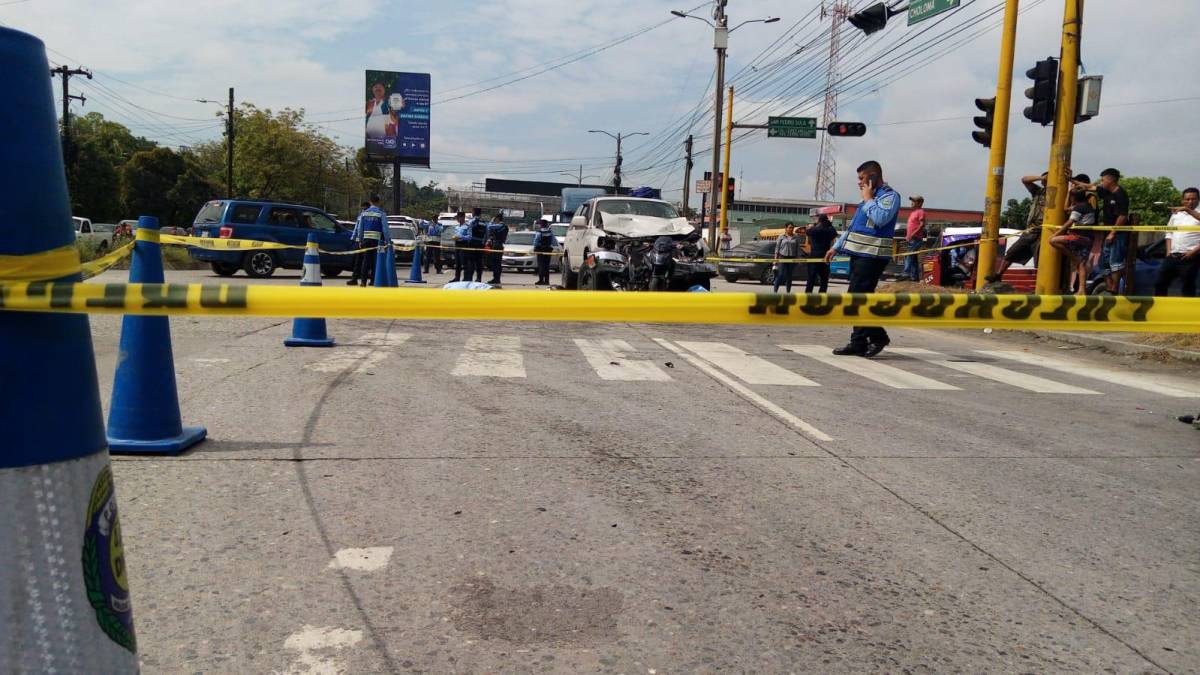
{"x": 630, "y": 244}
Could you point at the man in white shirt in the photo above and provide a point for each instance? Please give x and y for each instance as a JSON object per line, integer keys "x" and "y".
{"x": 1183, "y": 248}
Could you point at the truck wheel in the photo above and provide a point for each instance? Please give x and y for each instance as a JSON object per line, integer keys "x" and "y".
{"x": 224, "y": 269}
{"x": 329, "y": 272}
{"x": 259, "y": 264}
{"x": 731, "y": 279}
{"x": 768, "y": 277}
{"x": 570, "y": 280}
{"x": 102, "y": 248}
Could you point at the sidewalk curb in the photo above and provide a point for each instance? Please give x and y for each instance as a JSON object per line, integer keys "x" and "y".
{"x": 1118, "y": 346}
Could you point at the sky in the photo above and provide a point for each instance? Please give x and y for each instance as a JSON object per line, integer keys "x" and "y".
{"x": 151, "y": 60}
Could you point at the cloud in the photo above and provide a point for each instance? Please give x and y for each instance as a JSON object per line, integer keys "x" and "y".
{"x": 311, "y": 54}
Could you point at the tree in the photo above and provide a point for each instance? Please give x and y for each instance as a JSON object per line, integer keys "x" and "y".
{"x": 164, "y": 184}
{"x": 1150, "y": 197}
{"x": 1016, "y": 213}
{"x": 101, "y": 147}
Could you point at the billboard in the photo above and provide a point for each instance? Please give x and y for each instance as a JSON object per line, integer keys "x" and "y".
{"x": 397, "y": 117}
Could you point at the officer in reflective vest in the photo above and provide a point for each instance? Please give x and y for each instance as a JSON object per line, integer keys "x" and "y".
{"x": 372, "y": 232}
{"x": 433, "y": 246}
{"x": 543, "y": 245}
{"x": 868, "y": 242}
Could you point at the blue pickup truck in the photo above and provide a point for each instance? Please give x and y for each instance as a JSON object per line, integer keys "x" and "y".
{"x": 274, "y": 222}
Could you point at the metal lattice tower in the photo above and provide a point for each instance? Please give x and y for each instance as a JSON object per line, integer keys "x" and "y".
{"x": 827, "y": 161}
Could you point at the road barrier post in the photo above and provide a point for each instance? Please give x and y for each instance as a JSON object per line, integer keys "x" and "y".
{"x": 64, "y": 596}
{"x": 414, "y": 274}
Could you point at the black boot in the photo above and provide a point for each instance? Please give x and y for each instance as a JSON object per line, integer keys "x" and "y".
{"x": 850, "y": 350}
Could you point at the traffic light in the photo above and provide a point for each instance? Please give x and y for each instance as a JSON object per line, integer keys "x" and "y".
{"x": 1043, "y": 93}
{"x": 846, "y": 129}
{"x": 872, "y": 19}
{"x": 732, "y": 188}
{"x": 986, "y": 122}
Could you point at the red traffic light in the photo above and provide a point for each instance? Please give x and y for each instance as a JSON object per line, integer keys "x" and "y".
{"x": 846, "y": 129}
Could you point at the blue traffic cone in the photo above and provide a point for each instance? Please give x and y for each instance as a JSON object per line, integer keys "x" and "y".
{"x": 310, "y": 332}
{"x": 143, "y": 416}
{"x": 383, "y": 260}
{"x": 414, "y": 275}
{"x": 64, "y": 596}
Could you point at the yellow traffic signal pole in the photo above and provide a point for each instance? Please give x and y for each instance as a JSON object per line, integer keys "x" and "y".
{"x": 725, "y": 175}
{"x": 989, "y": 238}
{"x": 1057, "y": 182}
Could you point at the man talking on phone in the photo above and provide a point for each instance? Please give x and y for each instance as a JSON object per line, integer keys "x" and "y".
{"x": 868, "y": 242}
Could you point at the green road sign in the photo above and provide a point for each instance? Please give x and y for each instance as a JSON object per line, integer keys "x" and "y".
{"x": 792, "y": 127}
{"x": 919, "y": 10}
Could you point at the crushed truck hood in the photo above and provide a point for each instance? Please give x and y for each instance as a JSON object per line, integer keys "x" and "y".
{"x": 644, "y": 226}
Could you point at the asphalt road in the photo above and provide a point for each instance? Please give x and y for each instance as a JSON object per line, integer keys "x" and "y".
{"x": 523, "y": 497}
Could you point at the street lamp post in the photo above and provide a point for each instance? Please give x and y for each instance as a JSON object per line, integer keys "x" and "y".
{"x": 721, "y": 32}
{"x": 617, "y": 169}
{"x": 578, "y": 177}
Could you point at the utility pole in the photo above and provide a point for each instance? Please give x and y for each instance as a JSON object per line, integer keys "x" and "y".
{"x": 1057, "y": 185}
{"x": 827, "y": 161}
{"x": 687, "y": 172}
{"x": 989, "y": 240}
{"x": 720, "y": 45}
{"x": 68, "y": 147}
{"x": 618, "y": 137}
{"x": 725, "y": 173}
{"x": 229, "y": 133}
{"x": 580, "y": 183}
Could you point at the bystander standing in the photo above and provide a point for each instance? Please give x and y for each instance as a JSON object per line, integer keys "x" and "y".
{"x": 821, "y": 235}
{"x": 1183, "y": 248}
{"x": 787, "y": 249}
{"x": 915, "y": 235}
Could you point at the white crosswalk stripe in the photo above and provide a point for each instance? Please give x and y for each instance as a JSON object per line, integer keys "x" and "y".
{"x": 1032, "y": 383}
{"x": 1174, "y": 388}
{"x": 748, "y": 368}
{"x": 610, "y": 360}
{"x": 491, "y": 356}
{"x": 872, "y": 370}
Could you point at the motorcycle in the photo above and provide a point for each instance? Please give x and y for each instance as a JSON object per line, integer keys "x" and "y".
{"x": 660, "y": 260}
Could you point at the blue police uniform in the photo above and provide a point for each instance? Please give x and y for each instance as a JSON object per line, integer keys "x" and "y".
{"x": 496, "y": 237}
{"x": 543, "y": 242}
{"x": 462, "y": 240}
{"x": 868, "y": 242}
{"x": 433, "y": 246}
{"x": 371, "y": 231}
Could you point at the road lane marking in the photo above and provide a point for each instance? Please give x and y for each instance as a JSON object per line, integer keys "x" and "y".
{"x": 602, "y": 354}
{"x": 1032, "y": 383}
{"x": 762, "y": 403}
{"x": 318, "y": 649}
{"x": 748, "y": 368}
{"x": 872, "y": 370}
{"x": 362, "y": 559}
{"x": 1175, "y": 389}
{"x": 382, "y": 339}
{"x": 491, "y": 356}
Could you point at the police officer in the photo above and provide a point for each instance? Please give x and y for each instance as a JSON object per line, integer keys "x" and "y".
{"x": 356, "y": 240}
{"x": 474, "y": 254}
{"x": 433, "y": 246}
{"x": 462, "y": 239}
{"x": 868, "y": 242}
{"x": 370, "y": 229}
{"x": 497, "y": 235}
{"x": 543, "y": 246}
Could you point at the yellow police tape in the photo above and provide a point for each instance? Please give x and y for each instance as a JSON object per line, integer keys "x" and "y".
{"x": 1139, "y": 228}
{"x": 1090, "y": 313}
{"x": 53, "y": 264}
{"x": 967, "y": 244}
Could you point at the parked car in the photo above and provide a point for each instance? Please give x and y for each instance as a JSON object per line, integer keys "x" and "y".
{"x": 519, "y": 256}
{"x": 762, "y": 272}
{"x": 129, "y": 226}
{"x": 403, "y": 237}
{"x": 273, "y": 222}
{"x": 100, "y": 234}
{"x": 627, "y": 243}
